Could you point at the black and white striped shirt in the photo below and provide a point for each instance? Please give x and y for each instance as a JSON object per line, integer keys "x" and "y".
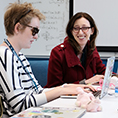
{"x": 16, "y": 87}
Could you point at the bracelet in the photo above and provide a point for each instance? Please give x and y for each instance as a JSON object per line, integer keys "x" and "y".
{"x": 82, "y": 81}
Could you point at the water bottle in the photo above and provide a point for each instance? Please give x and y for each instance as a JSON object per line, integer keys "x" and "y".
{"x": 116, "y": 88}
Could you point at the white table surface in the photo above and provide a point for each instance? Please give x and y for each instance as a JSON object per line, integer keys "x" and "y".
{"x": 109, "y": 107}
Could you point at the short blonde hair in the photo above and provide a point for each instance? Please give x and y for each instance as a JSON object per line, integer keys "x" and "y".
{"x": 22, "y": 13}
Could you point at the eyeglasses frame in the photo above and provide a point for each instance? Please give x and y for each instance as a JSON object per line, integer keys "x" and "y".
{"x": 81, "y": 29}
{"x": 32, "y": 29}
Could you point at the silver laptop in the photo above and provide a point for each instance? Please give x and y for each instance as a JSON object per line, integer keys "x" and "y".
{"x": 107, "y": 77}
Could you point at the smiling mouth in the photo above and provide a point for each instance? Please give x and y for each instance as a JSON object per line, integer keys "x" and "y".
{"x": 81, "y": 37}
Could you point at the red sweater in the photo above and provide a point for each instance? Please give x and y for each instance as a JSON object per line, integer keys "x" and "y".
{"x": 65, "y": 66}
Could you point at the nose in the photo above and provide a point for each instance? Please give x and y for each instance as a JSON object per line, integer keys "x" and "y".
{"x": 35, "y": 36}
{"x": 80, "y": 31}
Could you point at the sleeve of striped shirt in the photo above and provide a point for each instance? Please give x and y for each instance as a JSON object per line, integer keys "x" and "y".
{"x": 16, "y": 84}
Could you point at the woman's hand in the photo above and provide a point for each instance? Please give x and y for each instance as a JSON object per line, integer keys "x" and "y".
{"x": 86, "y": 88}
{"x": 67, "y": 89}
{"x": 94, "y": 79}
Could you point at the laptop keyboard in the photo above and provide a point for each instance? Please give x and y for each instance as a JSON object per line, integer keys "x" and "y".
{"x": 97, "y": 93}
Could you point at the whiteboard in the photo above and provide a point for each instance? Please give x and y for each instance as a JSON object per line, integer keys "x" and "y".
{"x": 105, "y": 14}
{"x": 53, "y": 29}
{"x": 3, "y": 5}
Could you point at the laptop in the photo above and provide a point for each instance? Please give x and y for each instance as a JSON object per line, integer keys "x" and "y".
{"x": 107, "y": 77}
{"x": 108, "y": 73}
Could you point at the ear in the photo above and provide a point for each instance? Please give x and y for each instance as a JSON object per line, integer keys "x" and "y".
{"x": 17, "y": 28}
{"x": 92, "y": 30}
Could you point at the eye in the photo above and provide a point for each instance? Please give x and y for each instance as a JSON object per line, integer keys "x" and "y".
{"x": 84, "y": 28}
{"x": 76, "y": 28}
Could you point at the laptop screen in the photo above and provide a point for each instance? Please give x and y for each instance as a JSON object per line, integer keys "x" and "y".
{"x": 107, "y": 77}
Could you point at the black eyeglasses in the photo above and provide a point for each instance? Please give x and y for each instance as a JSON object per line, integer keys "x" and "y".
{"x": 84, "y": 29}
{"x": 34, "y": 30}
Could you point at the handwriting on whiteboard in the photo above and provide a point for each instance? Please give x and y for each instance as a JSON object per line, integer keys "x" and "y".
{"x": 52, "y": 30}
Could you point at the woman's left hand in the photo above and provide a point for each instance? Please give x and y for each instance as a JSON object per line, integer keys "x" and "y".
{"x": 94, "y": 79}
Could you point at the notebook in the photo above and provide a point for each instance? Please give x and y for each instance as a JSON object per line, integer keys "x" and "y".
{"x": 51, "y": 112}
{"x": 108, "y": 73}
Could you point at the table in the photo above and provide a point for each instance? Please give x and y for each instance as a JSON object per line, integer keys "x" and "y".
{"x": 109, "y": 106}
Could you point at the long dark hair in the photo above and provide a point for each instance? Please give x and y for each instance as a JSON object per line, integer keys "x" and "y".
{"x": 69, "y": 29}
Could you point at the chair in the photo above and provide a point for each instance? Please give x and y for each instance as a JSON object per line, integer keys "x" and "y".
{"x": 40, "y": 68}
